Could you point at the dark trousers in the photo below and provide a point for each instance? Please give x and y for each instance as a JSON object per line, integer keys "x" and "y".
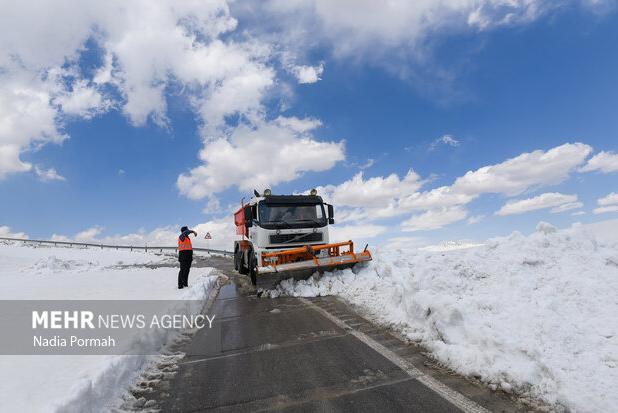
{"x": 183, "y": 274}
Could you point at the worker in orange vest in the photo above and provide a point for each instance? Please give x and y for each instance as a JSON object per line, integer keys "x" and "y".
{"x": 185, "y": 256}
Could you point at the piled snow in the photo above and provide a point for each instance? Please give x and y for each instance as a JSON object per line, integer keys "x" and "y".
{"x": 84, "y": 383}
{"x": 450, "y": 246}
{"x": 535, "y": 313}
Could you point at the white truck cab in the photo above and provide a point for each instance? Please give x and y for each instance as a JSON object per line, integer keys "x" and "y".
{"x": 270, "y": 223}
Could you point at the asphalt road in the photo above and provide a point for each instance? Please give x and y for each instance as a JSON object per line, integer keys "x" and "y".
{"x": 307, "y": 355}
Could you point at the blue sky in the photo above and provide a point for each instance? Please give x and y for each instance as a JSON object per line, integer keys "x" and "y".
{"x": 496, "y": 92}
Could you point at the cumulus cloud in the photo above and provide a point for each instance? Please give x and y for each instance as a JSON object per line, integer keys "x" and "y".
{"x": 605, "y": 162}
{"x": 372, "y": 192}
{"x": 609, "y": 199}
{"x": 82, "y": 101}
{"x": 27, "y": 119}
{"x": 511, "y": 177}
{"x": 88, "y": 235}
{"x": 358, "y": 233}
{"x": 475, "y": 219}
{"x": 444, "y": 196}
{"x": 260, "y": 156}
{"x": 434, "y": 219}
{"x": 606, "y": 209}
{"x": 402, "y": 30}
{"x": 307, "y": 74}
{"x": 358, "y": 27}
{"x": 514, "y": 176}
{"x": 6, "y": 232}
{"x": 360, "y": 199}
{"x": 448, "y": 140}
{"x": 608, "y": 203}
{"x": 566, "y": 207}
{"x": 403, "y": 243}
{"x": 47, "y": 175}
{"x": 147, "y": 49}
{"x": 543, "y": 201}
{"x": 222, "y": 232}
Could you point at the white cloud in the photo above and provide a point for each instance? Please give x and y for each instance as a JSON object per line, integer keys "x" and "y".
{"x": 83, "y": 101}
{"x": 608, "y": 203}
{"x": 6, "y": 232}
{"x": 364, "y": 27}
{"x": 307, "y": 74}
{"x": 261, "y": 156}
{"x": 147, "y": 47}
{"x": 213, "y": 206}
{"x": 88, "y": 235}
{"x": 605, "y": 162}
{"x": 475, "y": 219}
{"x": 566, "y": 207}
{"x": 375, "y": 192}
{"x": 606, "y": 209}
{"x": 358, "y": 233}
{"x": 222, "y": 231}
{"x": 383, "y": 32}
{"x": 360, "y": 199}
{"x": 511, "y": 177}
{"x": 434, "y": 219}
{"x": 27, "y": 119}
{"x": 448, "y": 140}
{"x": 403, "y": 243}
{"x": 194, "y": 49}
{"x": 516, "y": 175}
{"x": 440, "y": 197}
{"x": 47, "y": 175}
{"x": 543, "y": 201}
{"x": 578, "y": 213}
{"x": 609, "y": 199}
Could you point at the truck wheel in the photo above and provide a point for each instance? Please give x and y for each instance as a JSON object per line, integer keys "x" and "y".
{"x": 236, "y": 260}
{"x": 253, "y": 268}
{"x": 242, "y": 268}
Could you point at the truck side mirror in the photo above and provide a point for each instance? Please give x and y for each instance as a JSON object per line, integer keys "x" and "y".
{"x": 331, "y": 214}
{"x": 248, "y": 216}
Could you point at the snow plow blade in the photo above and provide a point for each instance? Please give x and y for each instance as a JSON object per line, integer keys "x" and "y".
{"x": 301, "y": 263}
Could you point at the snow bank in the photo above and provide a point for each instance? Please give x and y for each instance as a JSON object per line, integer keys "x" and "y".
{"x": 84, "y": 383}
{"x": 537, "y": 313}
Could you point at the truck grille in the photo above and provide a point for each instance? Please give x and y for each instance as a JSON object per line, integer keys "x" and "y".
{"x": 294, "y": 238}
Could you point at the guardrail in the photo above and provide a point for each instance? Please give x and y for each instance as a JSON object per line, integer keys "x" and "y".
{"x": 127, "y": 247}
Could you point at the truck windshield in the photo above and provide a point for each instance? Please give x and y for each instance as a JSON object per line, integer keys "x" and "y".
{"x": 291, "y": 215}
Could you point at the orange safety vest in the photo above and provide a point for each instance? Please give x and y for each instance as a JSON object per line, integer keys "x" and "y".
{"x": 185, "y": 245}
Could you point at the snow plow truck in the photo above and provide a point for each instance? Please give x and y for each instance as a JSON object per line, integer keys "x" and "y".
{"x": 286, "y": 236}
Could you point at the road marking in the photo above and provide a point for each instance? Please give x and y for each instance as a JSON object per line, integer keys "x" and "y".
{"x": 456, "y": 398}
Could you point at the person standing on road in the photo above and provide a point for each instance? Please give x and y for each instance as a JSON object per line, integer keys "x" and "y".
{"x": 185, "y": 256}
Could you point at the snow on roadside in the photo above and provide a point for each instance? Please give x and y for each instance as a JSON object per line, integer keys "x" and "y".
{"x": 84, "y": 383}
{"x": 536, "y": 312}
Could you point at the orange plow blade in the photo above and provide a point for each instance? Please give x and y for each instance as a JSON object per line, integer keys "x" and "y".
{"x": 301, "y": 263}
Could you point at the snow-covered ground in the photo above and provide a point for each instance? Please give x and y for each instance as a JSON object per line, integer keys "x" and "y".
{"x": 82, "y": 383}
{"x": 536, "y": 313}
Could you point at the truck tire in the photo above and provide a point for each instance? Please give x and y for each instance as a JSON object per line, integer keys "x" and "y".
{"x": 236, "y": 260}
{"x": 253, "y": 268}
{"x": 242, "y": 267}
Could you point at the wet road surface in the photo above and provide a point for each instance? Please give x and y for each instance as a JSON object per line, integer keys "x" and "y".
{"x": 309, "y": 355}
